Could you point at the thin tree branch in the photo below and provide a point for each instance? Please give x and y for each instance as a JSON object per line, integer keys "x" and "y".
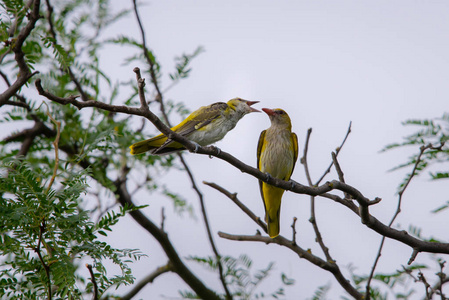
{"x": 304, "y": 157}
{"x": 312, "y": 220}
{"x": 293, "y": 226}
{"x": 94, "y": 282}
{"x": 146, "y": 280}
{"x": 438, "y": 286}
{"x": 38, "y": 251}
{"x": 233, "y": 197}
{"x": 337, "y": 151}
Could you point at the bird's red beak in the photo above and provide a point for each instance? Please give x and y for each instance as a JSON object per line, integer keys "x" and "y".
{"x": 268, "y": 111}
{"x": 251, "y": 103}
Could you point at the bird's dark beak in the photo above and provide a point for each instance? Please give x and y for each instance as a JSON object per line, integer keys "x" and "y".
{"x": 251, "y": 103}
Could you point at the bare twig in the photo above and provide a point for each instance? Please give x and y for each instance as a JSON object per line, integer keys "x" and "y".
{"x": 442, "y": 277}
{"x": 147, "y": 279}
{"x": 94, "y": 282}
{"x": 233, "y": 197}
{"x": 304, "y": 157}
{"x": 341, "y": 176}
{"x": 302, "y": 253}
{"x": 313, "y": 220}
{"x": 337, "y": 151}
{"x": 162, "y": 218}
{"x": 438, "y": 286}
{"x": 293, "y": 226}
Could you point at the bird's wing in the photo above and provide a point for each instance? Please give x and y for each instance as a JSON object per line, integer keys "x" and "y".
{"x": 260, "y": 145}
{"x": 200, "y": 118}
{"x": 194, "y": 121}
{"x": 295, "y": 152}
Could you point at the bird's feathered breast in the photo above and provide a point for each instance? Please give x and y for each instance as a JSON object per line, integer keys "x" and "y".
{"x": 277, "y": 152}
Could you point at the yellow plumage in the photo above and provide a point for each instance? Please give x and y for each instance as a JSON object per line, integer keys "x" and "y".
{"x": 205, "y": 126}
{"x": 277, "y": 152}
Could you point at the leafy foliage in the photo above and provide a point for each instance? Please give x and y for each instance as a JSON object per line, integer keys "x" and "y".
{"x": 46, "y": 228}
{"x": 242, "y": 281}
{"x": 432, "y": 134}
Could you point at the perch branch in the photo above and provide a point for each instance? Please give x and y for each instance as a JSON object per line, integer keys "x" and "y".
{"x": 279, "y": 240}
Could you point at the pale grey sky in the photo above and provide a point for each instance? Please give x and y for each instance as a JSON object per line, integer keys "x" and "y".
{"x": 375, "y": 63}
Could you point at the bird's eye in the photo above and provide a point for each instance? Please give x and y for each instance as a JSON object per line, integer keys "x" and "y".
{"x": 281, "y": 112}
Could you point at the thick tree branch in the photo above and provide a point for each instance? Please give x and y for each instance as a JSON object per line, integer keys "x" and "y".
{"x": 279, "y": 240}
{"x": 178, "y": 265}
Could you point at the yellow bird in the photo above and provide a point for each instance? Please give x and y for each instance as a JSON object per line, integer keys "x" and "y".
{"x": 277, "y": 152}
{"x": 205, "y": 126}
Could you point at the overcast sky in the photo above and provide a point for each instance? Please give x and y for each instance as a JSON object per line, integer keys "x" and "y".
{"x": 375, "y": 63}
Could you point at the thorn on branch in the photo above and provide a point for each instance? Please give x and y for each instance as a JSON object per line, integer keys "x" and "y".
{"x": 413, "y": 256}
{"x": 294, "y": 230}
{"x": 162, "y": 218}
{"x": 375, "y": 201}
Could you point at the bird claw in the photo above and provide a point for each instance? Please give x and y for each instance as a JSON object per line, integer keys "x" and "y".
{"x": 216, "y": 149}
{"x": 197, "y": 147}
{"x": 293, "y": 183}
{"x": 268, "y": 176}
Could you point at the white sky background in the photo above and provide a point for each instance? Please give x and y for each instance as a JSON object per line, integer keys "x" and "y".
{"x": 375, "y": 63}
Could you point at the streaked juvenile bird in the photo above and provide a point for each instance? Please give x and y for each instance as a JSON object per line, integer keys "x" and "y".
{"x": 277, "y": 152}
{"x": 205, "y": 126}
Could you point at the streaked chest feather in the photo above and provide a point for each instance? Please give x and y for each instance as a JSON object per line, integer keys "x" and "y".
{"x": 277, "y": 156}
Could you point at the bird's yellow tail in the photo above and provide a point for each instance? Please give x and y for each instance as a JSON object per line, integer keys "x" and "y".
{"x": 273, "y": 225}
{"x": 147, "y": 145}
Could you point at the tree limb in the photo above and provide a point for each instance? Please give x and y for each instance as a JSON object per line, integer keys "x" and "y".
{"x": 280, "y": 240}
